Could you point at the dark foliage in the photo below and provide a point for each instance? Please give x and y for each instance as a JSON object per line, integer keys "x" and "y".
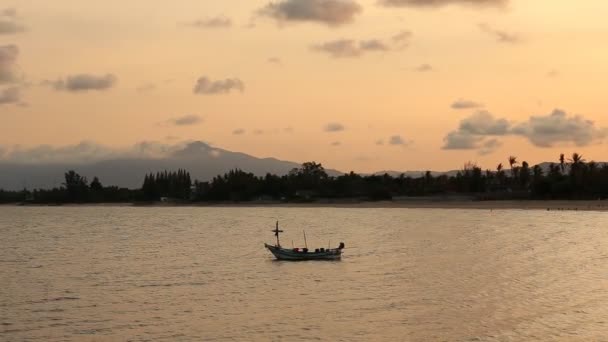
{"x": 174, "y": 185}
{"x": 572, "y": 178}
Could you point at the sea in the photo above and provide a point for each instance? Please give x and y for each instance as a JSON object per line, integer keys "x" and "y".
{"x": 103, "y": 273}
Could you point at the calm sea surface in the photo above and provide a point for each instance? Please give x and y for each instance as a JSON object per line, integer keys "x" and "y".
{"x": 192, "y": 274}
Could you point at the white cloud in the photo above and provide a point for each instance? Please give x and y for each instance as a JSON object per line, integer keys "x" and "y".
{"x": 542, "y": 131}
{"x": 558, "y": 127}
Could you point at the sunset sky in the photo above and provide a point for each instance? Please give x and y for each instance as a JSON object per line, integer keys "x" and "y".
{"x": 362, "y": 85}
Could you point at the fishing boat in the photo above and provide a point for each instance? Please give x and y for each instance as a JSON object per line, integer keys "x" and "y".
{"x": 299, "y": 254}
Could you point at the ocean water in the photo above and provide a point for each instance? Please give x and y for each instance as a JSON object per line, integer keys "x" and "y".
{"x": 197, "y": 274}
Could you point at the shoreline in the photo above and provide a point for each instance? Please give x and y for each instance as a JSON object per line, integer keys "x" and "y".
{"x": 548, "y": 205}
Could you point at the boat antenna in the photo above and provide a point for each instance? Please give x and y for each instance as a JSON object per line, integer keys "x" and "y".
{"x": 305, "y": 243}
{"x": 276, "y": 233}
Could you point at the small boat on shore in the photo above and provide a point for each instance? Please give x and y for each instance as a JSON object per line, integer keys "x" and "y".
{"x": 300, "y": 254}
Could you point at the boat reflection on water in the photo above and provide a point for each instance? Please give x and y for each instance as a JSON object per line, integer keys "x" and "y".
{"x": 300, "y": 254}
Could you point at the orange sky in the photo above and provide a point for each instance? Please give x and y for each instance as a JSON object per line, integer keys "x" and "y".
{"x": 324, "y": 80}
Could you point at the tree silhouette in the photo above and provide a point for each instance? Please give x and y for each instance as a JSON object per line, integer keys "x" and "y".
{"x": 524, "y": 175}
{"x": 512, "y": 163}
{"x": 76, "y": 186}
{"x": 311, "y": 182}
{"x": 96, "y": 185}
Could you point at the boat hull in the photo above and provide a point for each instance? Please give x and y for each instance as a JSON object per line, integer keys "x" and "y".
{"x": 291, "y": 255}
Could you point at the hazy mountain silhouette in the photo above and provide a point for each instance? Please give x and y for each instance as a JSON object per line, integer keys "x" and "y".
{"x": 202, "y": 161}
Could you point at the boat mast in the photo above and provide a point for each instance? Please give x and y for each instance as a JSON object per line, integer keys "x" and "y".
{"x": 276, "y": 233}
{"x": 305, "y": 244}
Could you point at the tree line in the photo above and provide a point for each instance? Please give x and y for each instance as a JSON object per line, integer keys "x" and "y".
{"x": 568, "y": 178}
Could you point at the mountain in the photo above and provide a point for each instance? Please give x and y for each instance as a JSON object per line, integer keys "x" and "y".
{"x": 201, "y": 160}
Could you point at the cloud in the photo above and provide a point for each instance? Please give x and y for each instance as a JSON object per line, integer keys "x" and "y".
{"x": 9, "y": 23}
{"x": 187, "y": 120}
{"x": 328, "y": 12}
{"x": 274, "y": 60}
{"x": 397, "y": 140}
{"x": 484, "y": 123}
{"x": 334, "y": 127}
{"x": 457, "y": 140}
{"x": 380, "y": 142}
{"x": 9, "y": 96}
{"x": 423, "y": 68}
{"x": 87, "y": 151}
{"x": 336, "y": 143}
{"x": 553, "y": 73}
{"x": 205, "y": 86}
{"x": 339, "y": 48}
{"x": 373, "y": 45}
{"x": 215, "y": 22}
{"x": 84, "y": 82}
{"x": 8, "y": 12}
{"x": 501, "y": 36}
{"x": 489, "y": 146}
{"x": 558, "y": 127}
{"x": 466, "y": 104}
{"x": 402, "y": 39}
{"x": 239, "y": 131}
{"x": 438, "y": 3}
{"x": 349, "y": 48}
{"x": 473, "y": 130}
{"x": 479, "y": 130}
{"x": 8, "y": 63}
{"x": 82, "y": 152}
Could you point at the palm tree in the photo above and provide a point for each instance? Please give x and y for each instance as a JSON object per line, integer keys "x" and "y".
{"x": 500, "y": 174}
{"x": 524, "y": 174}
{"x": 512, "y": 163}
{"x": 562, "y": 161}
{"x": 576, "y": 166}
{"x": 576, "y": 159}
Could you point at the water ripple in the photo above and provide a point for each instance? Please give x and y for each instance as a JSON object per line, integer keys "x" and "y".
{"x": 194, "y": 274}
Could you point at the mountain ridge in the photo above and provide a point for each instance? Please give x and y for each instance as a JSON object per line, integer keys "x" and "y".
{"x": 202, "y": 160}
